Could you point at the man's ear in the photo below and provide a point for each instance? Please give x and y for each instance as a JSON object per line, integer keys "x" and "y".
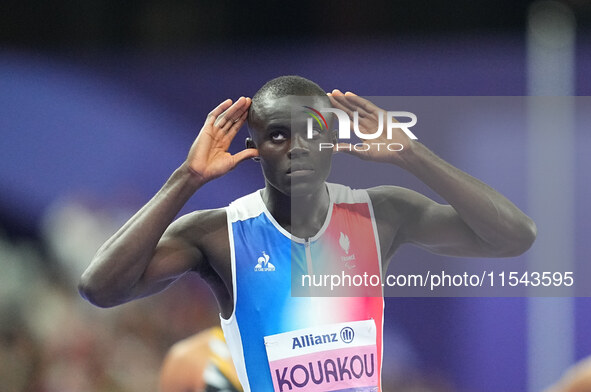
{"x": 249, "y": 143}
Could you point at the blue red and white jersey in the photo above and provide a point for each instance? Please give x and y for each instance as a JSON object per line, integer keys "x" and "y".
{"x": 265, "y": 258}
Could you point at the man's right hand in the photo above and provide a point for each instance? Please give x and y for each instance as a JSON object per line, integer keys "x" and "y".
{"x": 209, "y": 157}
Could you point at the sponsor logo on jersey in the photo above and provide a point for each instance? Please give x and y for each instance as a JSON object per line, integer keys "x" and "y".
{"x": 347, "y": 335}
{"x": 263, "y": 263}
{"x": 348, "y": 259}
{"x": 313, "y": 340}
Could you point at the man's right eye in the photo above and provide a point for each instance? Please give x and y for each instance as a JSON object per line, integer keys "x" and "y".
{"x": 278, "y": 136}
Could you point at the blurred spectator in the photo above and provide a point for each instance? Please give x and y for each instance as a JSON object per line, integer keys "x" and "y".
{"x": 201, "y": 363}
{"x": 49, "y": 339}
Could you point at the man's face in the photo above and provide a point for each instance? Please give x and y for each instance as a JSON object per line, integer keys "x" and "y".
{"x": 292, "y": 163}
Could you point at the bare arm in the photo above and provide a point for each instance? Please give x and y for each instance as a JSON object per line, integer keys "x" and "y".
{"x": 478, "y": 221}
{"x": 146, "y": 255}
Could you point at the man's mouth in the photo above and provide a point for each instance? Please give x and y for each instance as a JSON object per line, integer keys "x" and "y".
{"x": 299, "y": 170}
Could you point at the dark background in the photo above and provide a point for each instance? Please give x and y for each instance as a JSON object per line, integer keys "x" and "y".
{"x": 188, "y": 24}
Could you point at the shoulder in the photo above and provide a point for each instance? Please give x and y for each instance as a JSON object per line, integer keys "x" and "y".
{"x": 387, "y": 201}
{"x": 203, "y": 232}
{"x": 396, "y": 199}
{"x": 213, "y": 220}
{"x": 199, "y": 223}
{"x": 247, "y": 206}
{"x": 401, "y": 207}
{"x": 379, "y": 195}
{"x": 344, "y": 194}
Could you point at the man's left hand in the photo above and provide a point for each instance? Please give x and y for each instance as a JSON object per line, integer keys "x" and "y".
{"x": 382, "y": 148}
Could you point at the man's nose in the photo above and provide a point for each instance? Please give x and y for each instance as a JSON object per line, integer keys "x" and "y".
{"x": 299, "y": 145}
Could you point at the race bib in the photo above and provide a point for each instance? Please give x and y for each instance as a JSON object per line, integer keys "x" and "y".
{"x": 336, "y": 357}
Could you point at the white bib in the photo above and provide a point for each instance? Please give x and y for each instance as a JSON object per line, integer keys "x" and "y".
{"x": 335, "y": 357}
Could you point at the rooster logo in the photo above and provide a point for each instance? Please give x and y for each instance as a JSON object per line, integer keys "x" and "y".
{"x": 344, "y": 242}
{"x": 263, "y": 263}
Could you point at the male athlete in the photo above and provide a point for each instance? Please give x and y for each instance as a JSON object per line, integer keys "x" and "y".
{"x": 298, "y": 223}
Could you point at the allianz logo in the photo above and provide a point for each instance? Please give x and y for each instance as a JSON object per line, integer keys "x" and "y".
{"x": 347, "y": 335}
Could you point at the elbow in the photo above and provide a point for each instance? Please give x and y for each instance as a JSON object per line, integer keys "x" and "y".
{"x": 532, "y": 232}
{"x": 528, "y": 234}
{"x": 91, "y": 291}
{"x": 521, "y": 240}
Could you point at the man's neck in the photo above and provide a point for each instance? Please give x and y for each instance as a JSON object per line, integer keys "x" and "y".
{"x": 302, "y": 216}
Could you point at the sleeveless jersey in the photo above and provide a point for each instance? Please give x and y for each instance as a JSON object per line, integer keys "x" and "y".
{"x": 264, "y": 259}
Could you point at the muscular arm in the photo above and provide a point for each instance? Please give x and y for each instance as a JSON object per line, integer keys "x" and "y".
{"x": 478, "y": 221}
{"x": 139, "y": 259}
{"x": 148, "y": 253}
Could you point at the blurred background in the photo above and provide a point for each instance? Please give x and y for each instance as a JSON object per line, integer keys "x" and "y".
{"x": 101, "y": 99}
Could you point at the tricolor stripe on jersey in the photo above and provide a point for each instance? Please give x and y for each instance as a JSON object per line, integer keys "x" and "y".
{"x": 263, "y": 256}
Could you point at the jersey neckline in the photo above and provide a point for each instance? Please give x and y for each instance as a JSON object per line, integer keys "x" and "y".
{"x": 287, "y": 233}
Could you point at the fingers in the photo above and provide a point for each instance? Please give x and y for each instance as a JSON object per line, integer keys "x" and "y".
{"x": 232, "y": 114}
{"x": 351, "y": 102}
{"x": 235, "y": 127}
{"x": 336, "y": 102}
{"x": 245, "y": 154}
{"x": 342, "y": 101}
{"x": 213, "y": 115}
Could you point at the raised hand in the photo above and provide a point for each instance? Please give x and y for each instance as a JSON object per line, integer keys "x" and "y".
{"x": 368, "y": 124}
{"x": 209, "y": 157}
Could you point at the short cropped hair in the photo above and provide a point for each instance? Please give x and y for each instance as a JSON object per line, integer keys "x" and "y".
{"x": 284, "y": 86}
